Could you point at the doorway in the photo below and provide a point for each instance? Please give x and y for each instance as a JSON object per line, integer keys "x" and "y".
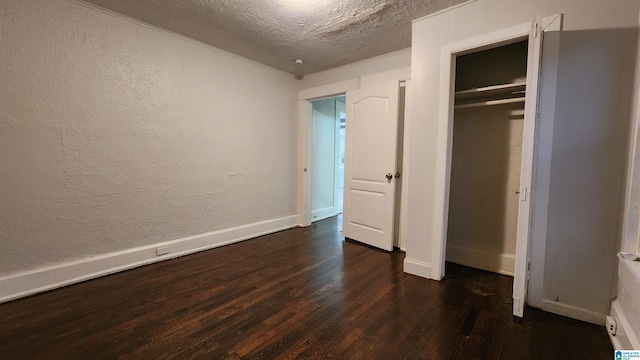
{"x": 370, "y": 160}
{"x": 327, "y": 157}
{"x": 534, "y": 32}
{"x": 486, "y": 158}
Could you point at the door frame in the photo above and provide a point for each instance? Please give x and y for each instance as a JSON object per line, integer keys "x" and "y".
{"x": 305, "y": 141}
{"x": 334, "y": 209}
{"x": 445, "y": 133}
{"x": 336, "y": 171}
{"x": 305, "y": 137}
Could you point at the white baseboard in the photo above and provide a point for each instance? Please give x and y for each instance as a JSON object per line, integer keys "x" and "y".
{"x": 31, "y": 282}
{"x": 500, "y": 263}
{"x": 418, "y": 268}
{"x": 325, "y": 213}
{"x": 574, "y": 312}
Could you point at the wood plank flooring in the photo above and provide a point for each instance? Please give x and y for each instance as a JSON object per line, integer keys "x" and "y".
{"x": 300, "y": 293}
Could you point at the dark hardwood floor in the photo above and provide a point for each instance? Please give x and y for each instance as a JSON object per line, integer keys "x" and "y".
{"x": 301, "y": 293}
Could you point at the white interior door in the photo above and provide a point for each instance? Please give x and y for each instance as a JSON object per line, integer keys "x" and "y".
{"x": 370, "y": 165}
{"x": 521, "y": 272}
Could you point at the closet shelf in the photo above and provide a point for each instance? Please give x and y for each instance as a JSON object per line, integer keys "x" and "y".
{"x": 490, "y": 102}
{"x": 492, "y": 91}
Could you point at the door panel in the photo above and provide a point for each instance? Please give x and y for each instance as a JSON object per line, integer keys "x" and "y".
{"x": 367, "y": 209}
{"x": 534, "y": 68}
{"x": 371, "y": 139}
{"x": 368, "y": 141}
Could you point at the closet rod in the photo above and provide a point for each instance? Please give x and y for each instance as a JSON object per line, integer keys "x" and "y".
{"x": 490, "y": 102}
{"x": 492, "y": 91}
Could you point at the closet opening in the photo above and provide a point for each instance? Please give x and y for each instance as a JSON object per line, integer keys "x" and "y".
{"x": 486, "y": 157}
{"x": 327, "y": 157}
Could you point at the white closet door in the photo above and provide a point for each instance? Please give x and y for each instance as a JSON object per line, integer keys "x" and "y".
{"x": 370, "y": 165}
{"x": 521, "y": 273}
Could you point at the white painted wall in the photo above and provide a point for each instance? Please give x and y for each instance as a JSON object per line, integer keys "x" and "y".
{"x": 323, "y": 163}
{"x": 370, "y": 71}
{"x": 585, "y": 154}
{"x": 115, "y": 135}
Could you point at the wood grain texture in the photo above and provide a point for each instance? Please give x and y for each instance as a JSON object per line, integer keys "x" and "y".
{"x": 297, "y": 294}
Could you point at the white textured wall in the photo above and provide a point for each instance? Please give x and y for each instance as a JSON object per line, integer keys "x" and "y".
{"x": 115, "y": 135}
{"x": 596, "y": 63}
{"x": 370, "y": 71}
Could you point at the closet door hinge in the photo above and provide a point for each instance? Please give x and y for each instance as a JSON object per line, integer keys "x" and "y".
{"x": 536, "y": 30}
{"x": 524, "y": 194}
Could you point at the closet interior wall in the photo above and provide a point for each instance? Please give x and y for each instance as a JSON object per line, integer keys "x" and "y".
{"x": 486, "y": 158}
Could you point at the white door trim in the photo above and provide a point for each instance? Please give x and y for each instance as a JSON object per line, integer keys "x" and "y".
{"x": 336, "y": 172}
{"x": 305, "y": 142}
{"x": 445, "y": 127}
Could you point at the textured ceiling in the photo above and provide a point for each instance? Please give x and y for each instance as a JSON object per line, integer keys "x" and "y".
{"x": 324, "y": 33}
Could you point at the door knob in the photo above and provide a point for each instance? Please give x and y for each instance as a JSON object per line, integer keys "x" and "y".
{"x": 397, "y": 175}
{"x": 389, "y": 176}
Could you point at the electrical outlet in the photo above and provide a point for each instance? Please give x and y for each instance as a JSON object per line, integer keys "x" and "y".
{"x": 163, "y": 250}
{"x": 611, "y": 325}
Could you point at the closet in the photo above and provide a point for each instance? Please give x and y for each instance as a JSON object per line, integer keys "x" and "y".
{"x": 486, "y": 157}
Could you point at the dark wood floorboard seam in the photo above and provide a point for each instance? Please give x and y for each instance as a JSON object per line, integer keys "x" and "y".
{"x": 297, "y": 294}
